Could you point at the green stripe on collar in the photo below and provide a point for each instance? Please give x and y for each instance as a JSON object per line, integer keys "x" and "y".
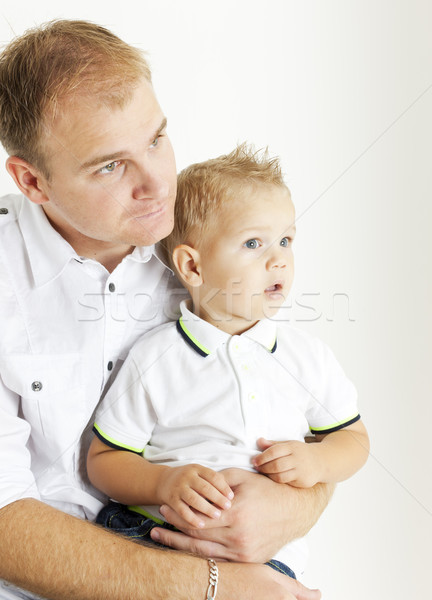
{"x": 189, "y": 338}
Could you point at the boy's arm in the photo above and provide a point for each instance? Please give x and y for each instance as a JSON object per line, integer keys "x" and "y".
{"x": 343, "y": 452}
{"x": 130, "y": 479}
{"x": 338, "y": 456}
{"x": 64, "y": 558}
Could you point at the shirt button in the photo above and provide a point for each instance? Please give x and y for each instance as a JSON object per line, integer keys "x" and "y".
{"x": 36, "y": 386}
{"x": 111, "y": 287}
{"x": 3, "y": 211}
{"x": 110, "y": 365}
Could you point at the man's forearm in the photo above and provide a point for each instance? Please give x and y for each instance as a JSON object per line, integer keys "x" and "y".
{"x": 305, "y": 507}
{"x": 61, "y": 557}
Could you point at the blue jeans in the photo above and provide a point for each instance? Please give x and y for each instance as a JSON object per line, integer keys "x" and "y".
{"x": 120, "y": 519}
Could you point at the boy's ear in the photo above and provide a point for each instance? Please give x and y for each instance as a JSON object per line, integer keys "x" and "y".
{"x": 28, "y": 178}
{"x": 187, "y": 261}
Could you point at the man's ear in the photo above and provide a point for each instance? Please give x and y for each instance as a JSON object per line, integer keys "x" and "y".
{"x": 28, "y": 178}
{"x": 187, "y": 261}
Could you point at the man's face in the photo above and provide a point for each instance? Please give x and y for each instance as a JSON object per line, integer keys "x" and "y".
{"x": 112, "y": 173}
{"x": 247, "y": 260}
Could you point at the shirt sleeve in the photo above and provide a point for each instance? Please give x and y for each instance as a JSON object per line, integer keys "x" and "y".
{"x": 333, "y": 403}
{"x": 125, "y": 418}
{"x": 16, "y": 478}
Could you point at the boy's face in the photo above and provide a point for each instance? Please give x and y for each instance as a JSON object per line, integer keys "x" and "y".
{"x": 247, "y": 260}
{"x": 113, "y": 174}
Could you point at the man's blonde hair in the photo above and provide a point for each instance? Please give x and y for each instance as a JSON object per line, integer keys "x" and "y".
{"x": 203, "y": 188}
{"x": 53, "y": 62}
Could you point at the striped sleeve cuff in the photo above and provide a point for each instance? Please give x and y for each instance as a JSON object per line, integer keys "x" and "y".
{"x": 112, "y": 443}
{"x": 335, "y": 426}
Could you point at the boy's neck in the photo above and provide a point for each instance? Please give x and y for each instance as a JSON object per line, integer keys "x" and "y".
{"x": 225, "y": 322}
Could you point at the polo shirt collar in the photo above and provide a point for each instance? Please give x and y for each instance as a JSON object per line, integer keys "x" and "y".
{"x": 205, "y": 338}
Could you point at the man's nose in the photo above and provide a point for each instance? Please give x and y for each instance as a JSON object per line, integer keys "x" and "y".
{"x": 150, "y": 184}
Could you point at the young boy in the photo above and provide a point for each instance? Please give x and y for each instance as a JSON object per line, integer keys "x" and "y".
{"x": 209, "y": 392}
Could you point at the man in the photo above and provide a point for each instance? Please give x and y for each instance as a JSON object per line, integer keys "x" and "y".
{"x": 81, "y": 281}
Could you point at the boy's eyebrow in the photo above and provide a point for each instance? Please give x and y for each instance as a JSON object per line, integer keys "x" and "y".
{"x": 292, "y": 228}
{"x": 98, "y": 160}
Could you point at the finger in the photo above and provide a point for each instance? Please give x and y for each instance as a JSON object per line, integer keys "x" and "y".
{"x": 218, "y": 481}
{"x": 171, "y": 516}
{"x": 263, "y": 443}
{"x": 301, "y": 592}
{"x": 278, "y": 450}
{"x": 185, "y": 543}
{"x": 277, "y": 465}
{"x": 187, "y": 514}
{"x": 210, "y": 492}
{"x": 196, "y": 500}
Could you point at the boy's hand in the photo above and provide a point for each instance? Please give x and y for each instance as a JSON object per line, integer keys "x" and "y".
{"x": 194, "y": 489}
{"x": 291, "y": 462}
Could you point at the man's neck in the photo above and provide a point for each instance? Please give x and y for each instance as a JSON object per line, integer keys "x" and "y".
{"x": 108, "y": 254}
{"x": 108, "y": 257}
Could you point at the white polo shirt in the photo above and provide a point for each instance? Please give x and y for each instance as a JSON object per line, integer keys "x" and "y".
{"x": 67, "y": 324}
{"x": 190, "y": 393}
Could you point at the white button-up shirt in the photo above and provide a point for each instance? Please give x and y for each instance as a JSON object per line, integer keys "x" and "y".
{"x": 191, "y": 393}
{"x": 67, "y": 324}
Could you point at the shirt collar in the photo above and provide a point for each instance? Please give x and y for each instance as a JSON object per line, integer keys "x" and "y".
{"x": 47, "y": 251}
{"x": 205, "y": 338}
{"x": 144, "y": 253}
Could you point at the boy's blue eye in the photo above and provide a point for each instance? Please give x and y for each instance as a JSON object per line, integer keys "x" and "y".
{"x": 285, "y": 242}
{"x": 252, "y": 244}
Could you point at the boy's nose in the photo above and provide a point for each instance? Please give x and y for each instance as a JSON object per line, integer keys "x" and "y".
{"x": 277, "y": 259}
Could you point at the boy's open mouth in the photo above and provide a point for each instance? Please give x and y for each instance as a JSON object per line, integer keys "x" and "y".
{"x": 276, "y": 287}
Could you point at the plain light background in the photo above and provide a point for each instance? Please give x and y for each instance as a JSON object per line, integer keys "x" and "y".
{"x": 342, "y": 92}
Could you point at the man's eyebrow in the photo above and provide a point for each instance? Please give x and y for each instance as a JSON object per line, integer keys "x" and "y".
{"x": 107, "y": 158}
{"x": 161, "y": 128}
{"x": 98, "y": 160}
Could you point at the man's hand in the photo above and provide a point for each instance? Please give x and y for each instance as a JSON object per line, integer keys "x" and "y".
{"x": 260, "y": 581}
{"x": 264, "y": 516}
{"x": 193, "y": 491}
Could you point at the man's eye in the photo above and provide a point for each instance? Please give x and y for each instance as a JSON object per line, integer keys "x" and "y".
{"x": 155, "y": 142}
{"x": 110, "y": 167}
{"x": 252, "y": 244}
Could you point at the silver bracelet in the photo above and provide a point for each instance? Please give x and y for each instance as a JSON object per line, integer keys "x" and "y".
{"x": 213, "y": 580}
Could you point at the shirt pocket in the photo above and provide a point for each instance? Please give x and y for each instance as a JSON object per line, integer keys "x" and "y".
{"x": 52, "y": 391}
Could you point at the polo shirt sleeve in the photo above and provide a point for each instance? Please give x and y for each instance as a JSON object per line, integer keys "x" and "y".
{"x": 16, "y": 478}
{"x": 125, "y": 419}
{"x": 333, "y": 402}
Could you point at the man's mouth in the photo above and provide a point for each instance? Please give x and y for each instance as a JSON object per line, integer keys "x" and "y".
{"x": 152, "y": 212}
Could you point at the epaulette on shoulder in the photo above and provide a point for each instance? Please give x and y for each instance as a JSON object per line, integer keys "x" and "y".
{"x": 9, "y": 208}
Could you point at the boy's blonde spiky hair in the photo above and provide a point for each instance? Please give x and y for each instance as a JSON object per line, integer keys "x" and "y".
{"x": 203, "y": 188}
{"x": 54, "y": 62}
